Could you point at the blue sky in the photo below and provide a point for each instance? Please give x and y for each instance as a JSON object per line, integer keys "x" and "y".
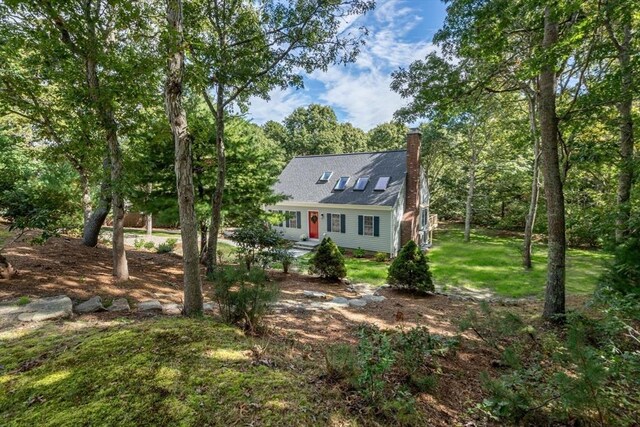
{"x": 400, "y": 31}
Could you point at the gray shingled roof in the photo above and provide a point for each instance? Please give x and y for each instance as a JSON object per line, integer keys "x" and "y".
{"x": 299, "y": 179}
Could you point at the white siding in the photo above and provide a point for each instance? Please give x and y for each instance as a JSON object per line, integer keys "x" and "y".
{"x": 350, "y": 239}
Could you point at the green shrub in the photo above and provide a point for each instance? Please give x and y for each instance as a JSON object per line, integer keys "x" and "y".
{"x": 258, "y": 244}
{"x": 386, "y": 368}
{"x": 623, "y": 274}
{"x": 168, "y": 246}
{"x": 410, "y": 270}
{"x": 340, "y": 361}
{"x": 582, "y": 375}
{"x": 149, "y": 245}
{"x": 23, "y": 301}
{"x": 380, "y": 257}
{"x": 284, "y": 256}
{"x": 243, "y": 297}
{"x": 328, "y": 262}
{"x": 358, "y": 253}
{"x": 138, "y": 243}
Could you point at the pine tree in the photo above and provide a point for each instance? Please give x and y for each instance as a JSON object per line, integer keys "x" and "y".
{"x": 328, "y": 262}
{"x": 410, "y": 270}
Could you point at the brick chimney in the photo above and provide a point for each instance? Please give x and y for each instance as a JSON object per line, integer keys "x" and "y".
{"x": 411, "y": 216}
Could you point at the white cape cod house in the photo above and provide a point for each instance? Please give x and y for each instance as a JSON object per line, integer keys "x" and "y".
{"x": 374, "y": 201}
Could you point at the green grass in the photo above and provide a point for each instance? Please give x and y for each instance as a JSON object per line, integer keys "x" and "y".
{"x": 358, "y": 269}
{"x": 494, "y": 262}
{"x": 489, "y": 261}
{"x": 143, "y": 232}
{"x": 23, "y": 300}
{"x": 163, "y": 371}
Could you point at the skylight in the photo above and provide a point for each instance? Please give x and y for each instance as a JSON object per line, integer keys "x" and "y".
{"x": 325, "y": 176}
{"x": 342, "y": 183}
{"x": 361, "y": 183}
{"x": 382, "y": 184}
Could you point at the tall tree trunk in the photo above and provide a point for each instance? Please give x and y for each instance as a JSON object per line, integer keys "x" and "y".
{"x": 108, "y": 123}
{"x": 625, "y": 177}
{"x": 204, "y": 229}
{"x": 120, "y": 266}
{"x": 148, "y": 223}
{"x": 471, "y": 188}
{"x": 554, "y": 303}
{"x": 216, "y": 202}
{"x": 99, "y": 215}
{"x": 193, "y": 301}
{"x": 149, "y": 215}
{"x": 535, "y": 185}
{"x": 86, "y": 197}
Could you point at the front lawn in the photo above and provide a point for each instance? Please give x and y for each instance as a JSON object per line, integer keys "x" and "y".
{"x": 489, "y": 261}
{"x": 161, "y": 371}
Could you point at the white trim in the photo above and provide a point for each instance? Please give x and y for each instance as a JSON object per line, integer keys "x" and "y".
{"x": 332, "y": 206}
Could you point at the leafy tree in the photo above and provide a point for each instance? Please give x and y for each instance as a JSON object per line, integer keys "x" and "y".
{"x": 387, "y": 136}
{"x": 35, "y": 193}
{"x": 84, "y": 50}
{"x": 353, "y": 139}
{"x": 410, "y": 270}
{"x": 242, "y": 48}
{"x": 313, "y": 130}
{"x": 328, "y": 261}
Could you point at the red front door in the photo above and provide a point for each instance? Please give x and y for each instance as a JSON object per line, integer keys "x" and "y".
{"x": 314, "y": 220}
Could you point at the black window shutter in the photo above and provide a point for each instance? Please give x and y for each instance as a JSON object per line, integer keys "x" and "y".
{"x": 343, "y": 223}
{"x": 328, "y": 222}
{"x": 287, "y": 220}
{"x": 360, "y": 225}
{"x": 299, "y": 219}
{"x": 376, "y": 226}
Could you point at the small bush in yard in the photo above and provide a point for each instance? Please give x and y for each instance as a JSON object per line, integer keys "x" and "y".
{"x": 168, "y": 246}
{"x": 149, "y": 245}
{"x": 285, "y": 256}
{"x": 243, "y": 297}
{"x": 380, "y": 257}
{"x": 410, "y": 270}
{"x": 387, "y": 368}
{"x": 328, "y": 262}
{"x": 358, "y": 253}
{"x": 257, "y": 244}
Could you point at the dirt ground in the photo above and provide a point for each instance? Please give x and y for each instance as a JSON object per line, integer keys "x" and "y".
{"x": 64, "y": 266}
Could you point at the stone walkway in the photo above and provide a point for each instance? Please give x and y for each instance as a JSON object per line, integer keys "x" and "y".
{"x": 315, "y": 301}
{"x": 61, "y": 307}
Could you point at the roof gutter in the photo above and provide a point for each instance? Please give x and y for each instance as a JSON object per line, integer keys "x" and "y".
{"x": 333, "y": 205}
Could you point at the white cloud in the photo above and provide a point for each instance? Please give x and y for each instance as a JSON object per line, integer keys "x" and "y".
{"x": 281, "y": 104}
{"x": 360, "y": 90}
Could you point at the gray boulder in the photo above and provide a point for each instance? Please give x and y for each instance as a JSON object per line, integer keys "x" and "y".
{"x": 357, "y": 302}
{"x": 59, "y": 307}
{"x": 120, "y": 304}
{"x": 90, "y": 306}
{"x": 314, "y": 294}
{"x": 152, "y": 305}
{"x": 172, "y": 309}
{"x": 373, "y": 298}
